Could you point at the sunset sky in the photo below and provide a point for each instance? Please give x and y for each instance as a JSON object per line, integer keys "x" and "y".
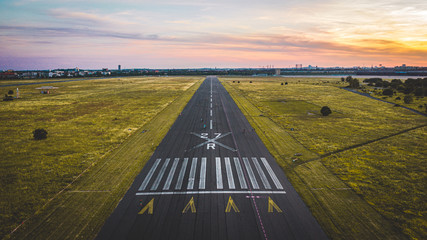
{"x": 93, "y": 34}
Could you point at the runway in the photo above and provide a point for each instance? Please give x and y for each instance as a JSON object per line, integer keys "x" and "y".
{"x": 211, "y": 178}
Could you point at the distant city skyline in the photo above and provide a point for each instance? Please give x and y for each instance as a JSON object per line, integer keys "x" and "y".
{"x": 48, "y": 34}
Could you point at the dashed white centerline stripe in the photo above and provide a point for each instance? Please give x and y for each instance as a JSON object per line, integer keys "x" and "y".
{"x": 192, "y": 174}
{"x": 251, "y": 173}
{"x": 240, "y": 175}
{"x": 261, "y": 173}
{"x": 211, "y": 112}
{"x": 229, "y": 173}
{"x": 159, "y": 177}
{"x": 272, "y": 175}
{"x": 149, "y": 175}
{"x": 171, "y": 173}
{"x": 202, "y": 182}
{"x": 211, "y": 124}
{"x": 181, "y": 174}
{"x": 218, "y": 173}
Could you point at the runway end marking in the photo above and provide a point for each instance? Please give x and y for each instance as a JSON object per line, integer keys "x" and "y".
{"x": 272, "y": 204}
{"x": 230, "y": 205}
{"x": 149, "y": 206}
{"x": 191, "y": 205}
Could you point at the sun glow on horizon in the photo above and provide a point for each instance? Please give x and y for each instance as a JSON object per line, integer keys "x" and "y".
{"x": 167, "y": 34}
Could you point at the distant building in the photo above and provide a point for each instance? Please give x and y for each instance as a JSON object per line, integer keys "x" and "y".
{"x": 277, "y": 71}
{"x": 119, "y": 67}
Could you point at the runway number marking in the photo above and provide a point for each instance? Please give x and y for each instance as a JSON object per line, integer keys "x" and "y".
{"x": 211, "y": 142}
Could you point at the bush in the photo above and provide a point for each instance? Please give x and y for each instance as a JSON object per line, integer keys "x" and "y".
{"x": 250, "y": 82}
{"x": 40, "y": 134}
{"x": 7, "y": 98}
{"x": 325, "y": 111}
{"x": 388, "y": 92}
{"x": 281, "y": 84}
{"x": 408, "y": 99}
{"x": 10, "y": 92}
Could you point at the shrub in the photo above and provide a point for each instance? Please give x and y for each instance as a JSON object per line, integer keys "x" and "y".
{"x": 40, "y": 134}
{"x": 250, "y": 82}
{"x": 7, "y": 98}
{"x": 388, "y": 92}
{"x": 408, "y": 99}
{"x": 325, "y": 111}
{"x": 10, "y": 92}
{"x": 281, "y": 84}
{"x": 286, "y": 83}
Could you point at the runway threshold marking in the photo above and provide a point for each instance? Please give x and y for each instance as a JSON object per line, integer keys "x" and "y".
{"x": 149, "y": 175}
{"x": 219, "y": 184}
{"x": 181, "y": 174}
{"x": 202, "y": 170}
{"x": 207, "y": 192}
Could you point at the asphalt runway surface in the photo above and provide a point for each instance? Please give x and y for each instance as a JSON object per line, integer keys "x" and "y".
{"x": 211, "y": 178}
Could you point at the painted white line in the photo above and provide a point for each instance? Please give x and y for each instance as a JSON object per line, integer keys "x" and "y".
{"x": 240, "y": 175}
{"x": 209, "y": 192}
{"x": 211, "y": 105}
{"x": 211, "y": 112}
{"x": 261, "y": 173}
{"x": 251, "y": 173}
{"x": 171, "y": 173}
{"x": 218, "y": 173}
{"x": 202, "y": 182}
{"x": 159, "y": 177}
{"x": 211, "y": 99}
{"x": 181, "y": 174}
{"x": 149, "y": 175}
{"x": 272, "y": 175}
{"x": 192, "y": 176}
{"x": 230, "y": 177}
{"x": 211, "y": 124}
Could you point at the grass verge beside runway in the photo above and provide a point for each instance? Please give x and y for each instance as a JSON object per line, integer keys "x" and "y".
{"x": 374, "y": 191}
{"x": 100, "y": 134}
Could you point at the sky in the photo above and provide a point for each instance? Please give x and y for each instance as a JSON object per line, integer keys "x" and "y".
{"x": 94, "y": 34}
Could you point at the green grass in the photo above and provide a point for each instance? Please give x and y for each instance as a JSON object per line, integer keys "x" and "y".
{"x": 95, "y": 128}
{"x": 357, "y": 193}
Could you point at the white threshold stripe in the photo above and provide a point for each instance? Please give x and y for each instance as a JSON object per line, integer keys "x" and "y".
{"x": 149, "y": 175}
{"x": 181, "y": 174}
{"x": 219, "y": 184}
{"x": 160, "y": 176}
{"x": 202, "y": 182}
{"x": 240, "y": 175}
{"x": 230, "y": 177}
{"x": 171, "y": 173}
{"x": 209, "y": 192}
{"x": 272, "y": 175}
{"x": 251, "y": 174}
{"x": 261, "y": 173}
{"x": 192, "y": 176}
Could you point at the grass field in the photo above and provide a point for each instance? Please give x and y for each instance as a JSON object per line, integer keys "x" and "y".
{"x": 360, "y": 173}
{"x": 92, "y": 127}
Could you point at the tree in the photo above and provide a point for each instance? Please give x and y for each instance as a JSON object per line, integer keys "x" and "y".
{"x": 408, "y": 99}
{"x": 325, "y": 111}
{"x": 388, "y": 92}
{"x": 40, "y": 134}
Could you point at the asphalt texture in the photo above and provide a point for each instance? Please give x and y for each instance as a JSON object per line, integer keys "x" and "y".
{"x": 211, "y": 178}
